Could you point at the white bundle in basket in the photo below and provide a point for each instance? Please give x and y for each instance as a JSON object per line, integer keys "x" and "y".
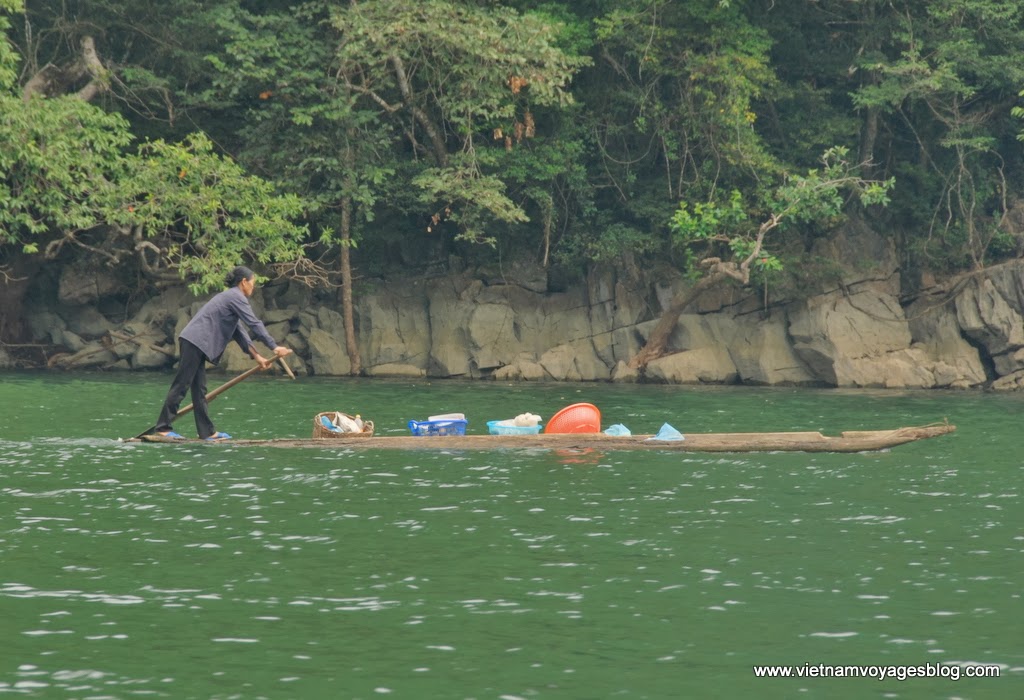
{"x": 346, "y": 424}
{"x": 526, "y": 420}
{"x": 523, "y": 420}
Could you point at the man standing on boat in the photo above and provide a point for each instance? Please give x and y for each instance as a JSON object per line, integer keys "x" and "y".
{"x": 204, "y": 339}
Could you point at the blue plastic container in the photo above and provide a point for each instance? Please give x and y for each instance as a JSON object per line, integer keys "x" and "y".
{"x": 494, "y": 429}
{"x": 437, "y": 427}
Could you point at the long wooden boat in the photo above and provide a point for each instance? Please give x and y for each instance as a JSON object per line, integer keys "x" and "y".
{"x": 848, "y": 441}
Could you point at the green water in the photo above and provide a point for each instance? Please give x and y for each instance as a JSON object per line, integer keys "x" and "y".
{"x": 193, "y": 571}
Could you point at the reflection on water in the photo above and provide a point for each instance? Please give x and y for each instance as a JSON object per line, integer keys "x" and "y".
{"x": 190, "y": 571}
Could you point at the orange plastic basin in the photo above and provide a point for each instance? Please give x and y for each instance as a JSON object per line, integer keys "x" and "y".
{"x": 578, "y": 418}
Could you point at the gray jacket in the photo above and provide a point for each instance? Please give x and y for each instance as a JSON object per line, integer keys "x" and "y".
{"x": 220, "y": 321}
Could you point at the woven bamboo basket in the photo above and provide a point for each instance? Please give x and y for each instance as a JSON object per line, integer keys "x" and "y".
{"x": 319, "y": 431}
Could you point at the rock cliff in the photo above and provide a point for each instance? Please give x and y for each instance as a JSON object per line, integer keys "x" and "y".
{"x": 508, "y": 327}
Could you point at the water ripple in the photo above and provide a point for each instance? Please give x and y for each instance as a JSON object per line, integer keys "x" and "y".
{"x": 296, "y": 573}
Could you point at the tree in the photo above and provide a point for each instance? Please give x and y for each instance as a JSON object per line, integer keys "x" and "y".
{"x": 574, "y": 129}
{"x": 951, "y": 76}
{"x": 70, "y": 179}
{"x": 141, "y": 59}
{"x": 672, "y": 114}
{"x": 178, "y": 211}
{"x": 734, "y": 246}
{"x": 388, "y": 101}
{"x": 456, "y": 78}
{"x": 927, "y": 87}
{"x": 276, "y": 67}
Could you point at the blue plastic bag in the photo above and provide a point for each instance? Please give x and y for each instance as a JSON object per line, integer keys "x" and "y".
{"x": 667, "y": 432}
{"x": 618, "y": 430}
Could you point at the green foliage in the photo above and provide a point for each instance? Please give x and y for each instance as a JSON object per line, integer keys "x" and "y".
{"x": 571, "y": 33}
{"x": 817, "y": 196}
{"x": 471, "y": 62}
{"x": 684, "y": 77}
{"x": 66, "y": 179}
{"x": 8, "y": 57}
{"x": 547, "y": 177}
{"x": 469, "y": 79}
{"x": 943, "y": 70}
{"x": 206, "y": 213}
{"x": 943, "y": 54}
{"x": 1017, "y": 112}
{"x": 276, "y": 68}
{"x": 472, "y": 199}
{"x": 708, "y": 220}
{"x": 728, "y": 229}
{"x": 665, "y": 129}
{"x": 606, "y": 242}
{"x": 60, "y": 160}
{"x": 397, "y": 73}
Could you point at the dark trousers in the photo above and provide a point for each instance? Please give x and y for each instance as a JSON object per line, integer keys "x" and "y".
{"x": 191, "y": 376}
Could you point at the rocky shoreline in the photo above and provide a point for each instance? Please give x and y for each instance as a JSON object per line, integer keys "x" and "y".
{"x": 509, "y": 327}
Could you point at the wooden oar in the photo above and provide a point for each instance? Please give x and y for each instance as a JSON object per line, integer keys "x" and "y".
{"x": 286, "y": 367}
{"x": 209, "y": 397}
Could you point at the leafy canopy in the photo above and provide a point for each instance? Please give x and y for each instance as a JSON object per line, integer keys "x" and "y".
{"x": 67, "y": 178}
{"x": 8, "y": 57}
{"x": 726, "y": 232}
{"x": 457, "y": 80}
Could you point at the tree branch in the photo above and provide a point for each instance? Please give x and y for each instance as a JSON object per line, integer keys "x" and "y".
{"x": 52, "y": 78}
{"x": 39, "y": 83}
{"x": 363, "y": 90}
{"x": 141, "y": 246}
{"x": 440, "y": 147}
{"x": 5, "y": 273}
{"x": 54, "y": 247}
{"x": 93, "y": 67}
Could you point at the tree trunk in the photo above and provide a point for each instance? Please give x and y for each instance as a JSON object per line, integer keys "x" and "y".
{"x": 94, "y": 67}
{"x": 869, "y": 128}
{"x": 53, "y": 79}
{"x": 868, "y": 138}
{"x": 351, "y": 346}
{"x": 433, "y": 132}
{"x": 657, "y": 341}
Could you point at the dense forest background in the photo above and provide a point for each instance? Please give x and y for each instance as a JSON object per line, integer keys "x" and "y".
{"x": 171, "y": 140}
